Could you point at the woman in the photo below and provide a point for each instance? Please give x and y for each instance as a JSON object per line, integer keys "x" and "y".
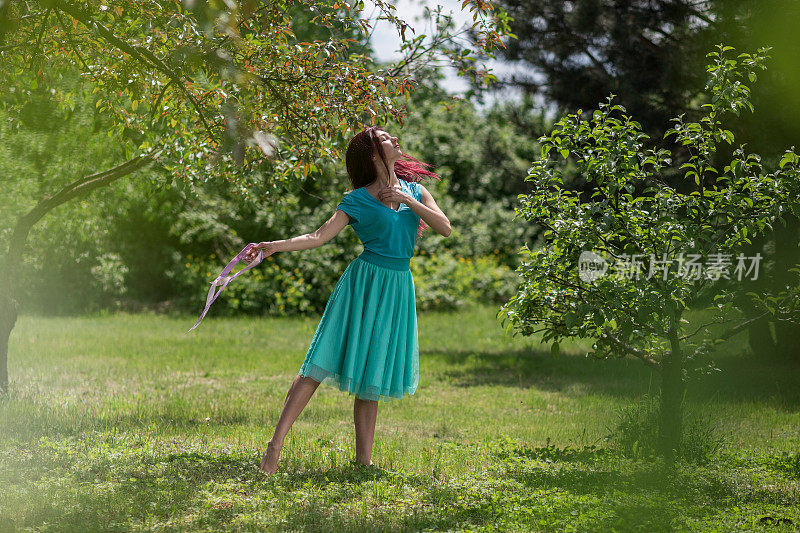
{"x": 366, "y": 341}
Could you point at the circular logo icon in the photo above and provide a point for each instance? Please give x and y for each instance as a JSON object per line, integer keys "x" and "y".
{"x": 591, "y": 266}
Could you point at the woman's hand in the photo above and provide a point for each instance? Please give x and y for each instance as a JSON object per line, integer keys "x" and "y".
{"x": 394, "y": 194}
{"x": 267, "y": 246}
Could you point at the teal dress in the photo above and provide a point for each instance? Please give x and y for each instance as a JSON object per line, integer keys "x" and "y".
{"x": 366, "y": 341}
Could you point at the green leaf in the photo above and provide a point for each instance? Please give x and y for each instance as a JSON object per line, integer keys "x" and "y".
{"x": 788, "y": 157}
{"x": 728, "y": 136}
{"x": 570, "y": 319}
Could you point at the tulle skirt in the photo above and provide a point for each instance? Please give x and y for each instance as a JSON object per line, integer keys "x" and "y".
{"x": 366, "y": 342}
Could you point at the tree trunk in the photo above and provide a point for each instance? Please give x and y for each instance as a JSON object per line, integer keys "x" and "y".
{"x": 672, "y": 389}
{"x": 760, "y": 338}
{"x": 786, "y": 256}
{"x": 9, "y": 307}
{"x": 759, "y": 334}
{"x": 8, "y": 317}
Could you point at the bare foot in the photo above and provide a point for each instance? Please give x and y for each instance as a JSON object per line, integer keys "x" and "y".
{"x": 269, "y": 463}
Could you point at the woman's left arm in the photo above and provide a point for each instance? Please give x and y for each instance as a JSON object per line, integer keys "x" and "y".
{"x": 426, "y": 208}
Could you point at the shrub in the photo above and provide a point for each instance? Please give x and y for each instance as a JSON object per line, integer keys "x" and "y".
{"x": 446, "y": 282}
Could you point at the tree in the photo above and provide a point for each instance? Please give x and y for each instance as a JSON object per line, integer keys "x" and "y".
{"x": 210, "y": 90}
{"x": 648, "y": 52}
{"x": 644, "y": 226}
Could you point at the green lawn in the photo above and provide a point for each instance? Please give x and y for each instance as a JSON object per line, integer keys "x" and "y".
{"x": 125, "y": 423}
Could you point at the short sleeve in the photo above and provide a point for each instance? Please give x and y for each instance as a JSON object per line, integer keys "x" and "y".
{"x": 416, "y": 191}
{"x": 349, "y": 205}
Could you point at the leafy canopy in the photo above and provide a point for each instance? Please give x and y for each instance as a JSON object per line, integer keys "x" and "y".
{"x": 221, "y": 86}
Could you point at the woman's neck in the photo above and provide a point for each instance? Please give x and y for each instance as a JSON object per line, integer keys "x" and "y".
{"x": 386, "y": 180}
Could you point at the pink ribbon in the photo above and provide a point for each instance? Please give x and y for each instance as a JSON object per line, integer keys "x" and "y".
{"x": 223, "y": 279}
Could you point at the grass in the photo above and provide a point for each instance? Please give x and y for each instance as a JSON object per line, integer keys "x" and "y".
{"x": 123, "y": 422}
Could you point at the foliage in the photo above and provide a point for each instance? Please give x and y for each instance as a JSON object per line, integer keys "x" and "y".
{"x": 632, "y": 214}
{"x": 65, "y": 258}
{"x": 480, "y": 155}
{"x": 219, "y": 87}
{"x": 284, "y": 286}
{"x": 749, "y": 24}
{"x": 281, "y": 286}
{"x": 109, "y": 275}
{"x": 479, "y": 229}
{"x": 649, "y": 52}
{"x": 448, "y": 282}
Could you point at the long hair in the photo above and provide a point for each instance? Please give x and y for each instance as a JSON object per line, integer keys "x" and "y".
{"x": 361, "y": 170}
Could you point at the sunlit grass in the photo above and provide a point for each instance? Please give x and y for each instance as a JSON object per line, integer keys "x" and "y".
{"x": 126, "y": 422}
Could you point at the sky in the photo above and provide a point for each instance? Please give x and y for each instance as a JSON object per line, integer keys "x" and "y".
{"x": 385, "y": 41}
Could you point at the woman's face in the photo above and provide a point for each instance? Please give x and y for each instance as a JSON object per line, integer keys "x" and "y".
{"x": 391, "y": 150}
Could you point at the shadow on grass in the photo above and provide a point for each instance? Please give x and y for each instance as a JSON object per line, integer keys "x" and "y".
{"x": 742, "y": 378}
{"x": 526, "y": 368}
{"x": 436, "y": 506}
{"x": 745, "y": 378}
{"x": 196, "y": 490}
{"x": 647, "y": 497}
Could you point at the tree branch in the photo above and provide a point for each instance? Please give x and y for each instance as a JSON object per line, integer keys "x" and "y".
{"x": 39, "y": 38}
{"x": 744, "y": 325}
{"x": 701, "y": 16}
{"x": 158, "y": 101}
{"x": 71, "y": 42}
{"x": 87, "y": 184}
{"x": 631, "y": 350}
{"x": 78, "y": 187}
{"x": 703, "y": 326}
{"x": 733, "y": 331}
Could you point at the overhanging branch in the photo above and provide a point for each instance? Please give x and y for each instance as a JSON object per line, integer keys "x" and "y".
{"x": 87, "y": 184}
{"x": 81, "y": 186}
{"x": 142, "y": 55}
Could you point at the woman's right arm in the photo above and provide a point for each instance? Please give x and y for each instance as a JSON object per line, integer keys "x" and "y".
{"x": 324, "y": 233}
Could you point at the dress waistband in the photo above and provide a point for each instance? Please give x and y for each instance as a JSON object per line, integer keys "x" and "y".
{"x": 395, "y": 263}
